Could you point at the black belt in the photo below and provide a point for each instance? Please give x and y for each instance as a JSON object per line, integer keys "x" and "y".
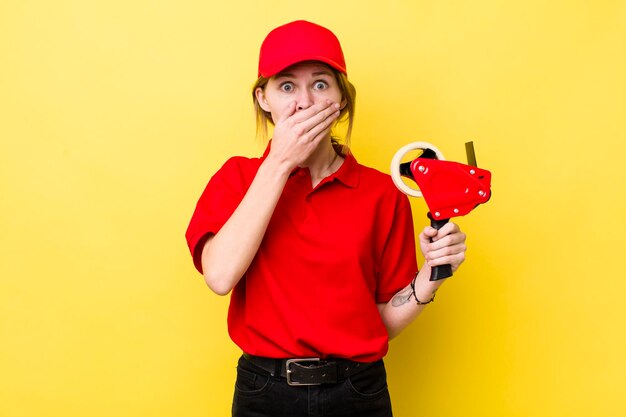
{"x": 309, "y": 371}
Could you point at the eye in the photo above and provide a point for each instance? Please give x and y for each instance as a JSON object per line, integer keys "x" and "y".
{"x": 287, "y": 87}
{"x": 320, "y": 85}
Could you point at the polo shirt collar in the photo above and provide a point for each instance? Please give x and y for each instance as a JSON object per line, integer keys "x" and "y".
{"x": 348, "y": 172}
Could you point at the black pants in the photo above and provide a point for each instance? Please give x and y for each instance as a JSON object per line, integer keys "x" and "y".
{"x": 258, "y": 394}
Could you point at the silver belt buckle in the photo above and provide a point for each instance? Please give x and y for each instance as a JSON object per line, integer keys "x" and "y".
{"x": 288, "y": 369}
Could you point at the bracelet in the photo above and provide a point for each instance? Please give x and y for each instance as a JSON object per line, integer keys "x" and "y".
{"x": 421, "y": 303}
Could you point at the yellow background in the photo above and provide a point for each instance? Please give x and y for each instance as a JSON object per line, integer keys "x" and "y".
{"x": 114, "y": 114}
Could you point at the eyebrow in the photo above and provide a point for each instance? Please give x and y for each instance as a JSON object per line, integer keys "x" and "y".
{"x": 317, "y": 74}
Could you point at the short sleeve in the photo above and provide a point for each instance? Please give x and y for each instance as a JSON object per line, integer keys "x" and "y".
{"x": 217, "y": 203}
{"x": 398, "y": 264}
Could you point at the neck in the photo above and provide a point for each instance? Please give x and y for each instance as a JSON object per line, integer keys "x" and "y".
{"x": 323, "y": 162}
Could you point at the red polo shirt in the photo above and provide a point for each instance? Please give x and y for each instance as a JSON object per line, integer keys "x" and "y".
{"x": 328, "y": 256}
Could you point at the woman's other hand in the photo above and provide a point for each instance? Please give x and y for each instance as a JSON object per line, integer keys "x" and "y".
{"x": 443, "y": 246}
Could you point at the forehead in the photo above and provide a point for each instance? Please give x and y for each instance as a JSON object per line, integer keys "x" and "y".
{"x": 305, "y": 68}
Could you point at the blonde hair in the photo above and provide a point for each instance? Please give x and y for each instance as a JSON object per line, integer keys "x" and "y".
{"x": 348, "y": 93}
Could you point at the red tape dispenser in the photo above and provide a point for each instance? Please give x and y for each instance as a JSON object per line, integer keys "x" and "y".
{"x": 451, "y": 189}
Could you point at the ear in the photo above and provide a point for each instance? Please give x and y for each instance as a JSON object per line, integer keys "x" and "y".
{"x": 343, "y": 104}
{"x": 260, "y": 98}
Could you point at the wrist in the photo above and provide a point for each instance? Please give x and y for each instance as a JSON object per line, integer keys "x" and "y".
{"x": 275, "y": 167}
{"x": 424, "y": 288}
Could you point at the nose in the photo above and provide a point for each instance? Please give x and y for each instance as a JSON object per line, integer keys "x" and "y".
{"x": 304, "y": 100}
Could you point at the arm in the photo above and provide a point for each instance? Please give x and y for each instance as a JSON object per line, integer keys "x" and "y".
{"x": 227, "y": 255}
{"x": 447, "y": 247}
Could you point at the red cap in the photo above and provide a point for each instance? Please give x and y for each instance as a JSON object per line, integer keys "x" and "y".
{"x": 296, "y": 42}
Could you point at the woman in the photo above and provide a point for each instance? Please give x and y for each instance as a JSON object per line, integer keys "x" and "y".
{"x": 318, "y": 250}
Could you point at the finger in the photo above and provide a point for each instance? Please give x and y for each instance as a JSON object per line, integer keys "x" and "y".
{"x": 316, "y": 128}
{"x": 427, "y": 234}
{"x": 322, "y": 119}
{"x": 320, "y": 128}
{"x": 453, "y": 260}
{"x": 448, "y": 240}
{"x": 290, "y": 109}
{"x": 315, "y": 140}
{"x": 447, "y": 229}
{"x": 450, "y": 250}
{"x": 306, "y": 114}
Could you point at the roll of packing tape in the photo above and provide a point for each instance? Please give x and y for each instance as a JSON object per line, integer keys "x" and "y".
{"x": 397, "y": 159}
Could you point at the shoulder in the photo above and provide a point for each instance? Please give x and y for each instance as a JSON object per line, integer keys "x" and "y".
{"x": 237, "y": 169}
{"x": 377, "y": 189}
{"x": 380, "y": 183}
{"x": 233, "y": 177}
{"x": 240, "y": 163}
{"x": 374, "y": 174}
